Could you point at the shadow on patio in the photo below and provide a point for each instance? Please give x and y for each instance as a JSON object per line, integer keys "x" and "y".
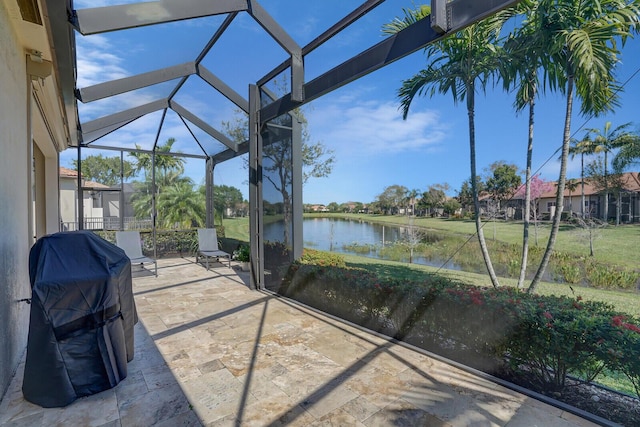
{"x": 211, "y": 352}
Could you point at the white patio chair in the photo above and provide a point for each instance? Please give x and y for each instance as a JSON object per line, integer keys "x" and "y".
{"x": 208, "y": 246}
{"x": 131, "y": 244}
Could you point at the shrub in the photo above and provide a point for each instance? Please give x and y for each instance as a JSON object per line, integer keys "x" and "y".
{"x": 606, "y": 277}
{"x": 311, "y": 256}
{"x": 242, "y": 254}
{"x": 619, "y": 345}
{"x": 360, "y": 248}
{"x": 568, "y": 269}
{"x": 168, "y": 242}
{"x": 554, "y": 337}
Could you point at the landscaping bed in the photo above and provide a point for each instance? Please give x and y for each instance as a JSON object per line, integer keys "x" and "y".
{"x": 606, "y": 403}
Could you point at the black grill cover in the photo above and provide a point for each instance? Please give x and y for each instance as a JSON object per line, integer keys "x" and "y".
{"x": 82, "y": 318}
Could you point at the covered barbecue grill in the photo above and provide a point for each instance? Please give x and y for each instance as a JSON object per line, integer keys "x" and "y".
{"x": 82, "y": 318}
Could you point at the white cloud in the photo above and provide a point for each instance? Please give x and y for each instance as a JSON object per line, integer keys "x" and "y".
{"x": 95, "y": 63}
{"x": 373, "y": 128}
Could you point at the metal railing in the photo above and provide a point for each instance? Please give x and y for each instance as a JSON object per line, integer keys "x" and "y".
{"x": 108, "y": 223}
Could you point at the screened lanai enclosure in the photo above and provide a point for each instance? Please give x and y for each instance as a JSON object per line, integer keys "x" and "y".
{"x": 128, "y": 88}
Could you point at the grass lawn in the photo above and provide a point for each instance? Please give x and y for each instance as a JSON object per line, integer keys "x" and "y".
{"x": 236, "y": 228}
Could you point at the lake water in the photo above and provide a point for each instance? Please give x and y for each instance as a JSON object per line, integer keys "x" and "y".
{"x": 336, "y": 235}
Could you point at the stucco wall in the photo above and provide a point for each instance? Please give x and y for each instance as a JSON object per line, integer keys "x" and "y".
{"x": 14, "y": 192}
{"x": 68, "y": 200}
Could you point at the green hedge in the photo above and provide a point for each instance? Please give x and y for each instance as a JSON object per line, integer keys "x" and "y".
{"x": 541, "y": 338}
{"x": 174, "y": 242}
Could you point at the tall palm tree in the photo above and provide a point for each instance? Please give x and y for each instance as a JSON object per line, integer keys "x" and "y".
{"x": 169, "y": 168}
{"x": 572, "y": 184}
{"x": 460, "y": 64}
{"x": 524, "y": 59}
{"x": 411, "y": 200}
{"x": 605, "y": 141}
{"x": 164, "y": 163}
{"x": 582, "y": 36}
{"x": 582, "y": 147}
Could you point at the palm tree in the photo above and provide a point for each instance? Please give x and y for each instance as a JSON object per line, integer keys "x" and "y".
{"x": 181, "y": 205}
{"x": 142, "y": 198}
{"x": 605, "y": 141}
{"x": 572, "y": 184}
{"x": 461, "y": 64}
{"x": 170, "y": 170}
{"x": 581, "y": 37}
{"x": 582, "y": 147}
{"x": 164, "y": 163}
{"x": 629, "y": 153}
{"x": 524, "y": 58}
{"x": 411, "y": 200}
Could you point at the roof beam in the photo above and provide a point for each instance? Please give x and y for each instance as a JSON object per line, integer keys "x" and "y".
{"x": 287, "y": 43}
{"x": 228, "y": 154}
{"x": 113, "y": 18}
{"x": 127, "y": 84}
{"x": 336, "y": 28}
{"x": 216, "y": 36}
{"x": 409, "y": 40}
{"x": 193, "y": 135}
{"x": 462, "y": 13}
{"x": 183, "y": 112}
{"x": 352, "y": 17}
{"x": 141, "y": 150}
{"x": 124, "y": 116}
{"x": 397, "y": 46}
{"x": 223, "y": 88}
{"x": 89, "y": 137}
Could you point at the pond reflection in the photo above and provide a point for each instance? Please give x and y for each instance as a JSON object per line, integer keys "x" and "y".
{"x": 362, "y": 238}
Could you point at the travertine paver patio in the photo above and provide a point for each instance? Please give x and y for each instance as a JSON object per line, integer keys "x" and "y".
{"x": 209, "y": 351}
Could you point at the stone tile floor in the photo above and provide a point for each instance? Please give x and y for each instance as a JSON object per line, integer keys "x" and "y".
{"x": 211, "y": 352}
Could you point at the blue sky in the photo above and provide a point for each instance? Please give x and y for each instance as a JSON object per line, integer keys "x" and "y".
{"x": 361, "y": 123}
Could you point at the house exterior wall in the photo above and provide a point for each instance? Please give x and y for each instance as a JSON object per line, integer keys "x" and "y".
{"x": 594, "y": 203}
{"x": 570, "y": 204}
{"x": 103, "y": 212}
{"x": 14, "y": 200}
{"x": 32, "y": 132}
{"x": 68, "y": 200}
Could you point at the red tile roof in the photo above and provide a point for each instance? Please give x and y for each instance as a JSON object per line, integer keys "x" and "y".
{"x": 68, "y": 173}
{"x": 630, "y": 182}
